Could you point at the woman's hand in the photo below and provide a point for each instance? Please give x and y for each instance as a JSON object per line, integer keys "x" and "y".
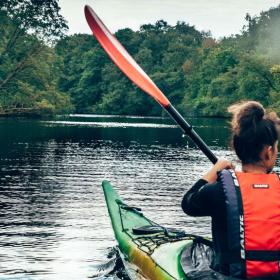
{"x": 211, "y": 175}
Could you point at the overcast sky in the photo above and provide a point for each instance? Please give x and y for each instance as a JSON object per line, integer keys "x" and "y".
{"x": 221, "y": 17}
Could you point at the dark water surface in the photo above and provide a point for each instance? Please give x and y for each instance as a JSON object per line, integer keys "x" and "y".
{"x": 54, "y": 224}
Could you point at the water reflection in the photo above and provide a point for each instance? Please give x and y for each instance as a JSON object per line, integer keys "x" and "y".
{"x": 54, "y": 224}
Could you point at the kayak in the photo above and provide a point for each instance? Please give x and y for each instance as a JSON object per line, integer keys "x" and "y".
{"x": 152, "y": 251}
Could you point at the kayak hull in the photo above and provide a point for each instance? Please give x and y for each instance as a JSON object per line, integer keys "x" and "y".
{"x": 147, "y": 256}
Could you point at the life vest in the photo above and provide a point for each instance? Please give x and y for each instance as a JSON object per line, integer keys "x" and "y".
{"x": 253, "y": 221}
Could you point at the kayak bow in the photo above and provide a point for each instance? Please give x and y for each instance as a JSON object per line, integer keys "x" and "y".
{"x": 140, "y": 249}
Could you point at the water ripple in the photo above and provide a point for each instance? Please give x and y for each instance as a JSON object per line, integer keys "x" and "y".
{"x": 53, "y": 219}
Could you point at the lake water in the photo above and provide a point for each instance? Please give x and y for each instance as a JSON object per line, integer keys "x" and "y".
{"x": 54, "y": 223}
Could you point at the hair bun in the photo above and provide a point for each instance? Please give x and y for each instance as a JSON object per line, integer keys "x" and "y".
{"x": 246, "y": 114}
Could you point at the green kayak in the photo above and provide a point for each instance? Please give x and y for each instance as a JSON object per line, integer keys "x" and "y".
{"x": 152, "y": 252}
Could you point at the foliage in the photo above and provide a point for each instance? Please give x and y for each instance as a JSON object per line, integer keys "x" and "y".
{"x": 40, "y": 17}
{"x": 28, "y": 67}
{"x": 197, "y": 73}
{"x": 200, "y": 75}
{"x": 96, "y": 85}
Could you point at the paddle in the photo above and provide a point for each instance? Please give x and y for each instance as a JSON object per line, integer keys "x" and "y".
{"x": 136, "y": 74}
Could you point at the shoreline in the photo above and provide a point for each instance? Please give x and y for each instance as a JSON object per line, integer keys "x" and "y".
{"x": 43, "y": 116}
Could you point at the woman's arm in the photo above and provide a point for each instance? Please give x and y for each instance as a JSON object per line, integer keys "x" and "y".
{"x": 211, "y": 175}
{"x": 198, "y": 200}
{"x": 206, "y": 195}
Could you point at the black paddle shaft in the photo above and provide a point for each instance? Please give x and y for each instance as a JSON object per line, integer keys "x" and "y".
{"x": 188, "y": 129}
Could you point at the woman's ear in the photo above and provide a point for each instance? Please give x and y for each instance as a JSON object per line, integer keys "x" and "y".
{"x": 267, "y": 152}
{"x": 271, "y": 152}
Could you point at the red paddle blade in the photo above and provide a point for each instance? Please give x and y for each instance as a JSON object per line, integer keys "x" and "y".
{"x": 122, "y": 58}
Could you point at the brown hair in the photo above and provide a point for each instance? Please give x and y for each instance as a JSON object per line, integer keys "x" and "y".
{"x": 252, "y": 129}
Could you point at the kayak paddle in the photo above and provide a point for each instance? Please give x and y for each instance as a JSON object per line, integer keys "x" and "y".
{"x": 136, "y": 74}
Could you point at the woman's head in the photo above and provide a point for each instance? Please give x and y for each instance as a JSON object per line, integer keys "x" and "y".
{"x": 254, "y": 133}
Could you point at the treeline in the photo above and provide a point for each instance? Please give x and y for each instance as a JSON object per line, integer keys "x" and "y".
{"x": 198, "y": 74}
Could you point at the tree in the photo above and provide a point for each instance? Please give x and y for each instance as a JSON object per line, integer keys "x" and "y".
{"x": 39, "y": 17}
{"x": 26, "y": 27}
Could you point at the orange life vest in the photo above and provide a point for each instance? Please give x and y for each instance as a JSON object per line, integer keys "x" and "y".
{"x": 253, "y": 221}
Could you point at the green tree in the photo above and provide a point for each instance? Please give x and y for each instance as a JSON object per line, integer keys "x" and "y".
{"x": 26, "y": 62}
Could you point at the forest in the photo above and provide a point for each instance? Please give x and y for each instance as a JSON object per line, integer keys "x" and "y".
{"x": 45, "y": 72}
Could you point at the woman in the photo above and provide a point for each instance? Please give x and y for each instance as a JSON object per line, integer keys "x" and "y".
{"x": 244, "y": 206}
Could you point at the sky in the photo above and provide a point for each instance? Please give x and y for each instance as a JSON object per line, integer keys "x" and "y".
{"x": 221, "y": 17}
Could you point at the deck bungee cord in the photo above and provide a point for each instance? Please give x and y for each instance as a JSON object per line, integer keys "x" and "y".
{"x": 155, "y": 234}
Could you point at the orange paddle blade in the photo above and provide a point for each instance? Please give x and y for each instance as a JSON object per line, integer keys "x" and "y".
{"x": 122, "y": 58}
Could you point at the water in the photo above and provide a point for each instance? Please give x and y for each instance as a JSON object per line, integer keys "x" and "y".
{"x": 54, "y": 223}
